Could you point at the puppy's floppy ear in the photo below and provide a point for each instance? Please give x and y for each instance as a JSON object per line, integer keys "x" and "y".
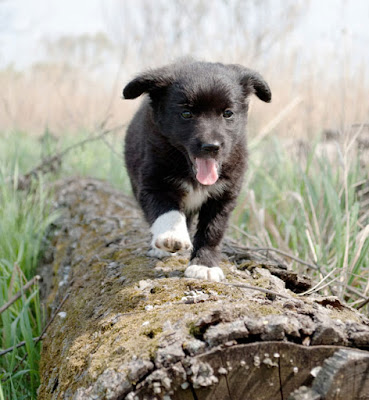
{"x": 253, "y": 82}
{"x": 148, "y": 82}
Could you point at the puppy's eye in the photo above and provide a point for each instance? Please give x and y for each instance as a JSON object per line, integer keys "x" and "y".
{"x": 186, "y": 114}
{"x": 227, "y": 114}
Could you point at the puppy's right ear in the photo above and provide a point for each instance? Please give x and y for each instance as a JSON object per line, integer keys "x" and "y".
{"x": 253, "y": 82}
{"x": 149, "y": 82}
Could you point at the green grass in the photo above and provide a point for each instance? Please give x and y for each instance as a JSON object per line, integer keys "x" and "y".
{"x": 24, "y": 220}
{"x": 307, "y": 207}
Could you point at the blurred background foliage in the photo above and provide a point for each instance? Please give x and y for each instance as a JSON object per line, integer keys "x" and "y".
{"x": 77, "y": 78}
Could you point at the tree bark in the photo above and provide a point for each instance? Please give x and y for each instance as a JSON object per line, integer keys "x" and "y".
{"x": 134, "y": 328}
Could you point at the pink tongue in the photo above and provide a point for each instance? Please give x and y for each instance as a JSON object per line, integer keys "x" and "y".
{"x": 207, "y": 172}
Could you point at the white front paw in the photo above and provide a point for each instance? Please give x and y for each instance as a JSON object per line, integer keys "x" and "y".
{"x": 171, "y": 242}
{"x": 170, "y": 234}
{"x": 214, "y": 274}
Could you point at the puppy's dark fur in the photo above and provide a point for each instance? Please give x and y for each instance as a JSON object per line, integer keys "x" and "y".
{"x": 187, "y": 108}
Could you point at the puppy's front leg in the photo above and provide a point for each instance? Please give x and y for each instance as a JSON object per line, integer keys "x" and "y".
{"x": 169, "y": 234}
{"x": 161, "y": 205}
{"x": 213, "y": 219}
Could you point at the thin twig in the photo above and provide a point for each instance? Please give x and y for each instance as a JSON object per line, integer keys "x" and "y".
{"x": 275, "y": 121}
{"x": 244, "y": 286}
{"x": 318, "y": 285}
{"x": 47, "y": 164}
{"x": 30, "y": 283}
{"x": 244, "y": 233}
{"x": 111, "y": 148}
{"x": 364, "y": 303}
{"x": 89, "y": 139}
{"x": 17, "y": 346}
{"x": 283, "y": 253}
{"x": 324, "y": 286}
{"x": 43, "y": 332}
{"x": 357, "y": 293}
{"x": 315, "y": 267}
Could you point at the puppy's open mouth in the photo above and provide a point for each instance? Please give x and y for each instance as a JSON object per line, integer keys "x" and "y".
{"x": 206, "y": 170}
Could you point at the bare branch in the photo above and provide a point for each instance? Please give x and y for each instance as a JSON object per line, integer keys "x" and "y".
{"x": 53, "y": 162}
{"x": 42, "y": 334}
{"x": 24, "y": 288}
{"x": 17, "y": 346}
{"x": 250, "y": 287}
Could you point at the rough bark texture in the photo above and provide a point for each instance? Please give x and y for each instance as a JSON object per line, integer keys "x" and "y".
{"x": 134, "y": 328}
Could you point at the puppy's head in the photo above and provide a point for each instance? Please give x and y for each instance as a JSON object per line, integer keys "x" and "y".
{"x": 201, "y": 108}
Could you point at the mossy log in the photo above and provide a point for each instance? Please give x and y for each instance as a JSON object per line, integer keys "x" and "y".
{"x": 134, "y": 328}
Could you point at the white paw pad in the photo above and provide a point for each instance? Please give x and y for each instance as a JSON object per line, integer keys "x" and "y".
{"x": 170, "y": 234}
{"x": 214, "y": 274}
{"x": 171, "y": 242}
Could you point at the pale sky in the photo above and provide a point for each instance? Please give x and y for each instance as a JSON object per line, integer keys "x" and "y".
{"x": 24, "y": 23}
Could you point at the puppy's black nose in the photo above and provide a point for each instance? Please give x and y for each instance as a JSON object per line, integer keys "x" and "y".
{"x": 210, "y": 147}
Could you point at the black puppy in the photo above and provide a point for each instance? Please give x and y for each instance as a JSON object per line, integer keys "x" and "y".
{"x": 185, "y": 152}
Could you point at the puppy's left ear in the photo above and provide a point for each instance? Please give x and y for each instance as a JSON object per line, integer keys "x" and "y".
{"x": 148, "y": 82}
{"x": 253, "y": 82}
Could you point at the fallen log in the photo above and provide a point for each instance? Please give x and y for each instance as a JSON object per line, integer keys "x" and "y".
{"x": 134, "y": 328}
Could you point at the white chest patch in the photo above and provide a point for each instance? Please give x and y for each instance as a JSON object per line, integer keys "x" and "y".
{"x": 195, "y": 198}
